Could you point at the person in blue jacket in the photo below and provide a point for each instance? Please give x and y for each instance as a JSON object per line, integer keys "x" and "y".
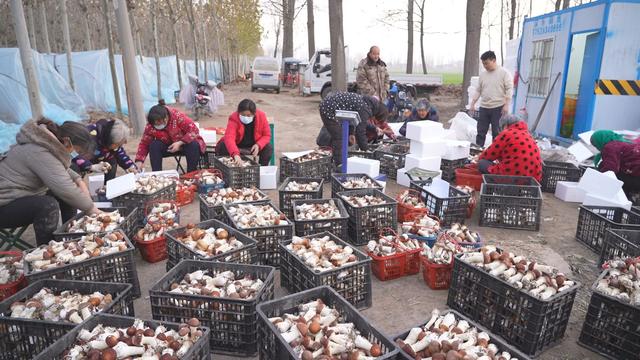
{"x": 422, "y": 111}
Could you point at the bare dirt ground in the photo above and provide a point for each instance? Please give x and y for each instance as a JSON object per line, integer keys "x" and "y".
{"x": 402, "y": 303}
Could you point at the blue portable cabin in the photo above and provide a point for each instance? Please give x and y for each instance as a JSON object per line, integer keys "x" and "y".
{"x": 594, "y": 51}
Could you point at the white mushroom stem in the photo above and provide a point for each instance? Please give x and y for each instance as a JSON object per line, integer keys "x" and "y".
{"x": 184, "y": 348}
{"x": 413, "y": 336}
{"x": 434, "y": 316}
{"x": 335, "y": 348}
{"x": 291, "y": 335}
{"x": 123, "y": 350}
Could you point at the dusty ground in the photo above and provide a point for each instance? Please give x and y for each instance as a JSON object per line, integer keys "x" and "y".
{"x": 401, "y": 303}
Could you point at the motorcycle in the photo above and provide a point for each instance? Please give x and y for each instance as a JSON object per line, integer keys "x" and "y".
{"x": 202, "y": 97}
{"x": 400, "y": 100}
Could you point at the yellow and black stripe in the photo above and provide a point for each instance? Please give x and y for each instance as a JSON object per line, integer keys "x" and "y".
{"x": 618, "y": 87}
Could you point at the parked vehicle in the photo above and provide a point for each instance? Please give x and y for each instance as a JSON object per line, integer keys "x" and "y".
{"x": 400, "y": 100}
{"x": 265, "y": 74}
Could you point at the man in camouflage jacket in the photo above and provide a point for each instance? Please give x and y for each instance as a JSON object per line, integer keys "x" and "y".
{"x": 372, "y": 77}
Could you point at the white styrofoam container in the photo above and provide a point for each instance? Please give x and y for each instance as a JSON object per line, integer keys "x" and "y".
{"x": 433, "y": 147}
{"x": 95, "y": 183}
{"x": 102, "y": 204}
{"x": 121, "y": 185}
{"x": 619, "y": 200}
{"x": 268, "y": 178}
{"x": 402, "y": 178}
{"x": 424, "y": 130}
{"x": 356, "y": 165}
{"x": 600, "y": 184}
{"x": 449, "y": 135}
{"x": 455, "y": 150}
{"x": 210, "y": 137}
{"x": 580, "y": 151}
{"x": 569, "y": 192}
{"x": 427, "y": 163}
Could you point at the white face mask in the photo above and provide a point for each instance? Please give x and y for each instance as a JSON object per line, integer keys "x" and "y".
{"x": 246, "y": 119}
{"x": 160, "y": 127}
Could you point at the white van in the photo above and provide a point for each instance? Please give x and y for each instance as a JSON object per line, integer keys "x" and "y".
{"x": 265, "y": 74}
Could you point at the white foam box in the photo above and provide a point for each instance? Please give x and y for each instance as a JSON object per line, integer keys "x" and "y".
{"x": 402, "y": 178}
{"x": 121, "y": 185}
{"x": 580, "y": 151}
{"x": 95, "y": 183}
{"x": 427, "y": 162}
{"x": 210, "y": 137}
{"x": 569, "y": 192}
{"x": 102, "y": 204}
{"x": 604, "y": 185}
{"x": 356, "y": 165}
{"x": 268, "y": 178}
{"x": 424, "y": 130}
{"x": 455, "y": 150}
{"x": 431, "y": 147}
{"x": 619, "y": 200}
{"x": 449, "y": 135}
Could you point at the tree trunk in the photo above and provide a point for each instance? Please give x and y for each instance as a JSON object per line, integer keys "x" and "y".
{"x": 502, "y": 32}
{"x": 275, "y": 50}
{"x": 192, "y": 23}
{"x": 156, "y": 55}
{"x": 204, "y": 54}
{"x": 557, "y": 4}
{"x": 410, "y": 37}
{"x": 45, "y": 27}
{"x": 136, "y": 110}
{"x": 112, "y": 62}
{"x": 174, "y": 21}
{"x": 26, "y": 58}
{"x": 338, "y": 65}
{"x": 566, "y": 4}
{"x": 472, "y": 45}
{"x": 311, "y": 37}
{"x": 424, "y": 63}
{"x": 87, "y": 32}
{"x": 136, "y": 30}
{"x": 512, "y": 19}
{"x": 32, "y": 28}
{"x": 67, "y": 41}
{"x": 288, "y": 12}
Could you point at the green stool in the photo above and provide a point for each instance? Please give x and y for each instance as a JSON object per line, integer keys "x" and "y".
{"x": 273, "y": 145}
{"x": 10, "y": 238}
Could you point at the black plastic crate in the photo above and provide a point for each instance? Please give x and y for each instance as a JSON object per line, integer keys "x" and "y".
{"x": 239, "y": 176}
{"x": 611, "y": 327}
{"x": 177, "y": 251}
{"x": 524, "y": 321}
{"x": 391, "y": 157}
{"x": 496, "y": 340}
{"x": 355, "y": 151}
{"x": 318, "y": 168}
{"x": 216, "y": 212}
{"x": 554, "y": 171}
{"x": 620, "y": 243}
{"x": 337, "y": 181}
{"x": 266, "y": 237}
{"x": 25, "y": 338}
{"x": 118, "y": 268}
{"x": 365, "y": 223}
{"x": 337, "y": 226}
{"x": 129, "y": 224}
{"x": 594, "y": 221}
{"x": 451, "y": 209}
{"x": 271, "y": 345}
{"x": 352, "y": 281}
{"x": 510, "y": 202}
{"x": 232, "y": 322}
{"x": 133, "y": 200}
{"x": 448, "y": 168}
{"x": 198, "y": 351}
{"x": 286, "y": 197}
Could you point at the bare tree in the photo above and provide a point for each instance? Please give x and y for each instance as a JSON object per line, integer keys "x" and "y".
{"x": 132, "y": 18}
{"x": 410, "y": 37}
{"x": 472, "y": 45}
{"x": 156, "y": 55}
{"x": 204, "y": 55}
{"x": 278, "y": 27}
{"x": 32, "y": 28}
{"x": 512, "y": 18}
{"x": 502, "y": 32}
{"x": 192, "y": 23}
{"x": 338, "y": 65}
{"x": 288, "y": 12}
{"x": 45, "y": 27}
{"x": 420, "y": 5}
{"x": 85, "y": 20}
{"x": 311, "y": 39}
{"x": 106, "y": 11}
{"x": 67, "y": 41}
{"x": 173, "y": 17}
{"x": 566, "y": 4}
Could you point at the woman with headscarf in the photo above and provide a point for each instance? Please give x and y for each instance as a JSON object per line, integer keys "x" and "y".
{"x": 422, "y": 111}
{"x": 619, "y": 155}
{"x": 513, "y": 151}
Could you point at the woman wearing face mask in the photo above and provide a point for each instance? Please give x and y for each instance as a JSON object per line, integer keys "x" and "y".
{"x": 169, "y": 132}
{"x": 109, "y": 136}
{"x": 36, "y": 181}
{"x": 247, "y": 133}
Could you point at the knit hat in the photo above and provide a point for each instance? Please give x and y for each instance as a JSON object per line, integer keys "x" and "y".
{"x": 423, "y": 104}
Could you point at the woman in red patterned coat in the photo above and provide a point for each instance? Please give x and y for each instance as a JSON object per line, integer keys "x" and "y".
{"x": 513, "y": 151}
{"x": 169, "y": 132}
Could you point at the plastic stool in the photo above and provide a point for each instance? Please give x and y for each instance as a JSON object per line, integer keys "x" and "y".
{"x": 12, "y": 237}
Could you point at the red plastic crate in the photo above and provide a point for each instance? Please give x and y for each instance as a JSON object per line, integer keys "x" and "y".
{"x": 436, "y": 276}
{"x": 154, "y": 250}
{"x": 185, "y": 197}
{"x": 407, "y": 212}
{"x": 11, "y": 288}
{"x": 413, "y": 262}
{"x": 470, "y": 176}
{"x": 388, "y": 267}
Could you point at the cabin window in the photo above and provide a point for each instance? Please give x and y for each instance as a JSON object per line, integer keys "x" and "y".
{"x": 541, "y": 59}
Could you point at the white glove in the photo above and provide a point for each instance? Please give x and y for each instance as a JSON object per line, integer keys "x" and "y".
{"x": 102, "y": 167}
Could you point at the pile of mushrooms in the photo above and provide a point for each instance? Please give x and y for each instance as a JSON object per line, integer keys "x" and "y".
{"x": 209, "y": 178}
{"x": 388, "y": 245}
{"x": 622, "y": 281}
{"x": 155, "y": 230}
{"x": 60, "y": 253}
{"x": 232, "y": 163}
{"x": 186, "y": 185}
{"x": 164, "y": 211}
{"x": 10, "y": 269}
{"x": 106, "y": 221}
{"x": 317, "y": 211}
{"x": 252, "y": 215}
{"x": 465, "y": 188}
{"x": 462, "y": 234}
{"x": 422, "y": 225}
{"x": 223, "y": 196}
{"x": 314, "y": 155}
{"x": 442, "y": 252}
{"x": 541, "y": 281}
{"x": 322, "y": 254}
{"x": 221, "y": 285}
{"x": 360, "y": 183}
{"x": 316, "y": 332}
{"x": 445, "y": 337}
{"x": 302, "y": 187}
{"x": 363, "y": 200}
{"x": 149, "y": 184}
{"x": 137, "y": 341}
{"x": 409, "y": 198}
{"x": 67, "y": 306}
{"x": 209, "y": 242}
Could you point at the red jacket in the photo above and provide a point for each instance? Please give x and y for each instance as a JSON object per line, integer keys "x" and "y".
{"x": 515, "y": 152}
{"x": 621, "y": 158}
{"x": 179, "y": 128}
{"x": 235, "y": 132}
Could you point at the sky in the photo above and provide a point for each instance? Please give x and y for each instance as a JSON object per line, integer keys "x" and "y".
{"x": 364, "y": 25}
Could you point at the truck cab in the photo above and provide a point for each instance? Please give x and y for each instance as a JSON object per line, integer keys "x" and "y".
{"x": 317, "y": 76}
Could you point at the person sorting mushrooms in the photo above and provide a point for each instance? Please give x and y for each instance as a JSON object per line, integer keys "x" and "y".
{"x": 36, "y": 184}
{"x": 513, "y": 151}
{"x": 169, "y": 132}
{"x": 422, "y": 111}
{"x": 247, "y": 133}
{"x": 621, "y": 156}
{"x": 109, "y": 136}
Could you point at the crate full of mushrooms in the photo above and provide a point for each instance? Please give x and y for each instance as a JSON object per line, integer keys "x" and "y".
{"x": 317, "y": 163}
{"x": 449, "y": 335}
{"x": 611, "y": 325}
{"x": 370, "y": 211}
{"x": 297, "y": 188}
{"x": 314, "y": 216}
{"x": 148, "y": 188}
{"x": 209, "y": 240}
{"x": 222, "y": 296}
{"x": 93, "y": 257}
{"x": 111, "y": 337}
{"x": 245, "y": 173}
{"x": 209, "y": 179}
{"x": 394, "y": 255}
{"x": 211, "y": 203}
{"x": 161, "y": 217}
{"x": 110, "y": 219}
{"x": 324, "y": 259}
{"x": 46, "y": 310}
{"x": 345, "y": 182}
{"x": 263, "y": 223}
{"x": 525, "y": 302}
{"x": 12, "y": 276}
{"x": 319, "y": 324}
